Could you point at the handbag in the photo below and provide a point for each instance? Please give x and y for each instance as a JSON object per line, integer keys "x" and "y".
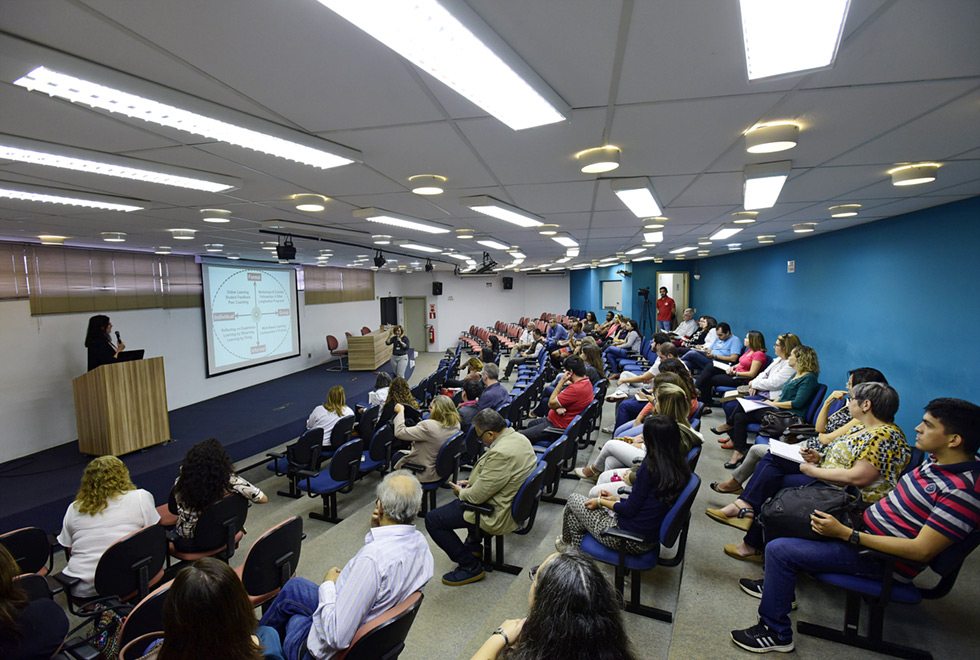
{"x": 787, "y": 513}
{"x": 775, "y": 422}
{"x": 798, "y": 433}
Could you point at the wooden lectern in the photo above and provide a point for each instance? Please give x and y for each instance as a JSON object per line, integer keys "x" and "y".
{"x": 122, "y": 407}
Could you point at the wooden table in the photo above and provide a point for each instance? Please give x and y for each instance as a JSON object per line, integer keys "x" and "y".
{"x": 368, "y": 352}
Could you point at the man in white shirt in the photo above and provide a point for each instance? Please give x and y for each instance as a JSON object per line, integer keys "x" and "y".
{"x": 688, "y": 327}
{"x": 525, "y": 341}
{"x": 394, "y": 562}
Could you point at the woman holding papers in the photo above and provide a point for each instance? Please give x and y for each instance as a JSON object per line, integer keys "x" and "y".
{"x": 767, "y": 385}
{"x": 870, "y": 457}
{"x": 795, "y": 397}
{"x": 751, "y": 362}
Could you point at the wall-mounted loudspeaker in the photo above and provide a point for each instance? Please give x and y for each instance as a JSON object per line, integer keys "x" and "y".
{"x": 437, "y": 288}
{"x": 508, "y": 283}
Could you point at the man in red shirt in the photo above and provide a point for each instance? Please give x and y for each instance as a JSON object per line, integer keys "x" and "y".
{"x": 570, "y": 397}
{"x": 665, "y": 310}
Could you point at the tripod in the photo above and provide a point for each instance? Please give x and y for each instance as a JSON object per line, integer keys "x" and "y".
{"x": 646, "y": 318}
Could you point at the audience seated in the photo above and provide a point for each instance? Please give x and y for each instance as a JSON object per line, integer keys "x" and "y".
{"x": 394, "y": 562}
{"x": 686, "y": 328}
{"x": 630, "y": 383}
{"x": 428, "y": 436}
{"x": 590, "y": 323}
{"x": 494, "y": 394}
{"x": 529, "y": 354}
{"x": 206, "y": 475}
{"x": 571, "y": 341}
{"x": 570, "y": 397}
{"x": 595, "y": 370}
{"x": 326, "y": 415}
{"x": 748, "y": 366}
{"x": 795, "y": 397}
{"x": 207, "y": 614}
{"x": 768, "y": 384}
{"x": 472, "y": 389}
{"x": 379, "y": 394}
{"x": 603, "y": 329}
{"x": 29, "y": 629}
{"x": 108, "y": 507}
{"x": 932, "y": 507}
{"x": 524, "y": 341}
{"x": 574, "y": 614}
{"x": 659, "y": 480}
{"x": 726, "y": 347}
{"x": 634, "y": 427}
{"x": 620, "y": 348}
{"x": 704, "y": 336}
{"x": 474, "y": 371}
{"x": 871, "y": 457}
{"x": 641, "y": 404}
{"x": 495, "y": 481}
{"x": 398, "y": 392}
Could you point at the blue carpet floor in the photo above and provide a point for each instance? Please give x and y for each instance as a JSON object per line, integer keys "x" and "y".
{"x": 37, "y": 489}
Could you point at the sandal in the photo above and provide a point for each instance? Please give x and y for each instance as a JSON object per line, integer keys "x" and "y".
{"x": 727, "y": 444}
{"x": 591, "y": 475}
{"x": 718, "y": 431}
{"x": 732, "y": 551}
{"x": 742, "y": 520}
{"x": 715, "y": 487}
{"x": 732, "y": 465}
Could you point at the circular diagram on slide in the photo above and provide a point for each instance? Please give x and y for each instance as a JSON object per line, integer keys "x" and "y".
{"x": 250, "y": 314}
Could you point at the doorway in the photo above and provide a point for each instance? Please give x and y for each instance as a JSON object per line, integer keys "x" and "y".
{"x": 677, "y": 288}
{"x": 414, "y": 310}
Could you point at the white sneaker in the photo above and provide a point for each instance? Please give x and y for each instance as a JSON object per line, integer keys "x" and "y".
{"x": 609, "y": 429}
{"x": 617, "y": 396}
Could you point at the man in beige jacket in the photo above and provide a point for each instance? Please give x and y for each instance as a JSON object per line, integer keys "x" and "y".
{"x": 494, "y": 481}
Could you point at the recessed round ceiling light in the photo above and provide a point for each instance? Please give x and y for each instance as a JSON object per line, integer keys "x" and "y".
{"x": 914, "y": 174}
{"x": 744, "y": 217}
{"x": 213, "y": 247}
{"x": 309, "y": 202}
{"x": 215, "y": 216}
{"x": 769, "y": 138}
{"x": 427, "y": 184}
{"x": 183, "y": 234}
{"x": 548, "y": 230}
{"x": 844, "y": 210}
{"x": 804, "y": 227}
{"x": 162, "y": 249}
{"x": 113, "y": 237}
{"x": 599, "y": 159}
{"x": 51, "y": 239}
{"x": 381, "y": 239}
{"x": 653, "y": 227}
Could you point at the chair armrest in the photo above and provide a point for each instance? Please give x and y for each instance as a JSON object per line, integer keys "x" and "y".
{"x": 276, "y": 454}
{"x": 78, "y": 648}
{"x": 66, "y": 581}
{"x": 307, "y": 474}
{"x": 623, "y": 534}
{"x": 624, "y": 490}
{"x": 414, "y": 467}
{"x": 638, "y": 460}
{"x": 890, "y": 559}
{"x": 484, "y": 509}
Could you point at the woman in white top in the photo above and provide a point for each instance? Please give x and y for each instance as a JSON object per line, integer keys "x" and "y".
{"x": 107, "y": 508}
{"x": 379, "y": 395}
{"x": 327, "y": 415}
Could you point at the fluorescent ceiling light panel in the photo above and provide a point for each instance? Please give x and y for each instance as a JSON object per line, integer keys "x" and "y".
{"x": 565, "y": 240}
{"x": 372, "y": 214}
{"x": 637, "y": 250}
{"x": 47, "y": 154}
{"x": 763, "y": 183}
{"x": 488, "y": 205}
{"x": 653, "y": 236}
{"x": 791, "y": 36}
{"x": 637, "y": 195}
{"x": 517, "y": 254}
{"x": 682, "y": 250}
{"x": 495, "y": 245}
{"x": 35, "y": 194}
{"x": 297, "y": 147}
{"x": 450, "y": 42}
{"x": 727, "y": 232}
{"x": 420, "y": 248}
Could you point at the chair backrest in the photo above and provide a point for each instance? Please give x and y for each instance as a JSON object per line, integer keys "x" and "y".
{"x": 551, "y": 459}
{"x": 698, "y": 411}
{"x": 948, "y": 563}
{"x": 915, "y": 460}
{"x": 134, "y": 649}
{"x": 383, "y": 637}
{"x": 365, "y": 330}
{"x": 680, "y": 513}
{"x": 528, "y": 496}
{"x": 131, "y": 562}
{"x": 815, "y": 403}
{"x": 332, "y": 343}
{"x": 343, "y": 465}
{"x": 36, "y": 586}
{"x": 341, "y": 431}
{"x": 447, "y": 461}
{"x": 304, "y": 454}
{"x": 349, "y": 335}
{"x": 29, "y": 546}
{"x": 692, "y": 458}
{"x": 412, "y": 416}
{"x": 369, "y": 420}
{"x": 273, "y": 558}
{"x": 212, "y": 529}
{"x": 146, "y": 617}
{"x": 382, "y": 439}
{"x": 472, "y": 447}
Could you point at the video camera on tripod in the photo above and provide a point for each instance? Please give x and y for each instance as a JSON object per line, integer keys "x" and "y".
{"x": 644, "y": 293}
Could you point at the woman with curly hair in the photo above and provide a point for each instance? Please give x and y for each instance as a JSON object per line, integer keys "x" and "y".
{"x": 206, "y": 475}
{"x": 207, "y": 614}
{"x": 108, "y": 507}
{"x": 398, "y": 392}
{"x": 574, "y": 615}
{"x": 28, "y": 628}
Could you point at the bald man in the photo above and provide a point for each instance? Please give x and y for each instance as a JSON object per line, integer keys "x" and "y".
{"x": 394, "y": 562}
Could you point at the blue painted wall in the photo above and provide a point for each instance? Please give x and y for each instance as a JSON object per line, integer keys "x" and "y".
{"x": 586, "y": 285}
{"x": 901, "y": 295}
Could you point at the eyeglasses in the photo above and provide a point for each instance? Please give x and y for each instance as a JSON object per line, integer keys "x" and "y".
{"x": 533, "y": 571}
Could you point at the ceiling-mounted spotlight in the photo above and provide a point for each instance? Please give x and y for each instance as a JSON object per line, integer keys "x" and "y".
{"x": 309, "y": 202}
{"x": 844, "y": 210}
{"x": 216, "y": 216}
{"x": 162, "y": 249}
{"x": 804, "y": 227}
{"x": 914, "y": 174}
{"x": 183, "y": 234}
{"x": 381, "y": 239}
{"x": 428, "y": 265}
{"x": 744, "y": 217}
{"x": 379, "y": 259}
{"x": 286, "y": 251}
{"x": 427, "y": 184}
{"x": 599, "y": 159}
{"x": 52, "y": 239}
{"x": 113, "y": 237}
{"x": 770, "y": 138}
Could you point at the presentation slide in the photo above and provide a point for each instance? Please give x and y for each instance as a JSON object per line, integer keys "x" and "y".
{"x": 251, "y": 315}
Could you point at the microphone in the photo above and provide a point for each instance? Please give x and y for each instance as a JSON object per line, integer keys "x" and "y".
{"x": 118, "y": 338}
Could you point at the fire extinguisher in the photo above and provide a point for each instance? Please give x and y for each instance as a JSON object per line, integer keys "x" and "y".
{"x": 432, "y": 335}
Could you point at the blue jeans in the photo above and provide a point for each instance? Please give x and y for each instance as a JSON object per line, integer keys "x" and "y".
{"x": 442, "y": 524}
{"x": 696, "y": 360}
{"x": 271, "y": 645}
{"x": 628, "y": 410}
{"x": 663, "y": 325}
{"x": 613, "y": 355}
{"x": 786, "y": 557}
{"x": 627, "y": 430}
{"x": 291, "y": 615}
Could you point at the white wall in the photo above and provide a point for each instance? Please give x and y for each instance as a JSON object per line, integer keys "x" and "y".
{"x": 41, "y": 355}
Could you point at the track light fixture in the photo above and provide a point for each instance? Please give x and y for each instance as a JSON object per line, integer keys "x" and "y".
{"x": 428, "y": 265}
{"x": 379, "y": 259}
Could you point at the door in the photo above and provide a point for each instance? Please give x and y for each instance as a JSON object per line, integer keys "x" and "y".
{"x": 677, "y": 288}
{"x": 415, "y": 323}
{"x": 389, "y": 311}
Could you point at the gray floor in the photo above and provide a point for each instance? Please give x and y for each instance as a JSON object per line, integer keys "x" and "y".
{"x": 454, "y": 621}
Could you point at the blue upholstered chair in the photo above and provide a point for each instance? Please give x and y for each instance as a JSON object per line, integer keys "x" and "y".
{"x": 673, "y": 529}
{"x": 339, "y": 478}
{"x": 304, "y": 454}
{"x": 447, "y": 466}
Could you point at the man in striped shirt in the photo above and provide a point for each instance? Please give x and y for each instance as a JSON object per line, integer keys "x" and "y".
{"x": 394, "y": 562}
{"x": 931, "y": 507}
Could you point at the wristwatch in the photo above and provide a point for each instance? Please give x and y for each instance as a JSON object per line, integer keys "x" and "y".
{"x": 855, "y": 538}
{"x": 500, "y": 631}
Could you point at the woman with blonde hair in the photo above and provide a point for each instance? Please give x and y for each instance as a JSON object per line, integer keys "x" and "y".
{"x": 474, "y": 371}
{"x": 428, "y": 436}
{"x": 108, "y": 507}
{"x": 327, "y": 415}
